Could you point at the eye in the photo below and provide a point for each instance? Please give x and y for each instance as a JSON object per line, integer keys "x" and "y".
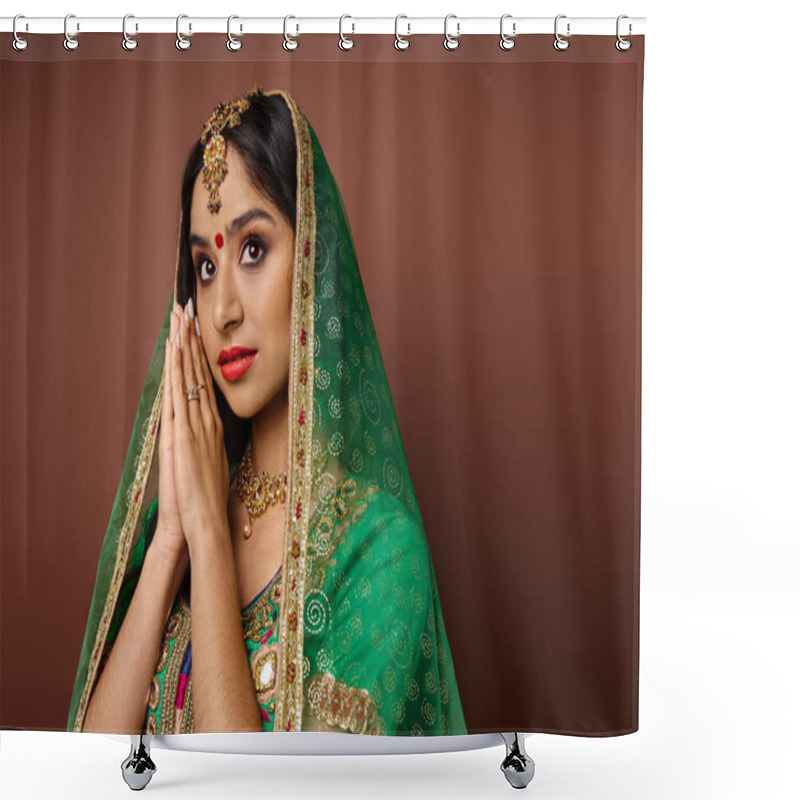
{"x": 198, "y": 268}
{"x": 254, "y": 248}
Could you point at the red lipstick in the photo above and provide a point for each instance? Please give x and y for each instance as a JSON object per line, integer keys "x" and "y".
{"x": 236, "y": 361}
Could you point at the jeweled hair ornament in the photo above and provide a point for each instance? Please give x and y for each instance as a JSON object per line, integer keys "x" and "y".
{"x": 215, "y": 166}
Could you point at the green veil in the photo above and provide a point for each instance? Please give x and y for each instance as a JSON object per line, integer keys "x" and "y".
{"x": 363, "y": 647}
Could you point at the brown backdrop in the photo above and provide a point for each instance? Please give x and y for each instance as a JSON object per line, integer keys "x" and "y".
{"x": 495, "y": 203}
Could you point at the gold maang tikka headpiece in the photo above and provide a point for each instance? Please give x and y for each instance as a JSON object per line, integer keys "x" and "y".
{"x": 215, "y": 167}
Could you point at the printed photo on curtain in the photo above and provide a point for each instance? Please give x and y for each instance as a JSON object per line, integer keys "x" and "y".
{"x": 321, "y": 386}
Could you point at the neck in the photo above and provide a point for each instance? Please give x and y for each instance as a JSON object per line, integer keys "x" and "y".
{"x": 269, "y": 436}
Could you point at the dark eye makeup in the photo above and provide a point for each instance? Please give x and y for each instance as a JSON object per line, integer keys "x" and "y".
{"x": 253, "y": 252}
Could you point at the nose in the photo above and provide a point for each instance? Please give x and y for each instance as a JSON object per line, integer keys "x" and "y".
{"x": 226, "y": 306}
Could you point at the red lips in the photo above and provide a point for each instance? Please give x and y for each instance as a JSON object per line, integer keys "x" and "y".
{"x": 234, "y": 353}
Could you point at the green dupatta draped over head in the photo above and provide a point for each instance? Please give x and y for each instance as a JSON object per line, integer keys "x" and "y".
{"x": 363, "y": 647}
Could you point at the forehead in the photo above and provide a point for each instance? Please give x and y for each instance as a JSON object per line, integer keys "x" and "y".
{"x": 237, "y": 194}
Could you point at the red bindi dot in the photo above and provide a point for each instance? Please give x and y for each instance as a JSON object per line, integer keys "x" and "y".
{"x": 219, "y": 240}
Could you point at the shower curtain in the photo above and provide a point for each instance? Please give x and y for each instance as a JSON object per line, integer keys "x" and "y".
{"x": 439, "y": 285}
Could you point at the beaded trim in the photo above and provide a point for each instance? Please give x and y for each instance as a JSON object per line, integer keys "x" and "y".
{"x": 289, "y": 695}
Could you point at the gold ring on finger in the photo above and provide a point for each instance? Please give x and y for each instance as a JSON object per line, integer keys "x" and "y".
{"x": 194, "y": 392}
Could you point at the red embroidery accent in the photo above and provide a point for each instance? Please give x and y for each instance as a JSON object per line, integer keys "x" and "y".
{"x": 307, "y": 247}
{"x": 294, "y": 582}
{"x": 303, "y": 335}
{"x": 136, "y": 499}
{"x": 219, "y": 241}
{"x": 306, "y": 177}
{"x": 298, "y": 514}
{"x": 304, "y": 288}
{"x": 289, "y": 725}
{"x": 154, "y": 429}
{"x": 301, "y": 419}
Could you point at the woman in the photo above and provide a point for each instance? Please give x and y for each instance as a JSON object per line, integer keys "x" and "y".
{"x": 265, "y": 567}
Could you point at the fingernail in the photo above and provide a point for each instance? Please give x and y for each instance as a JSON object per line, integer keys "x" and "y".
{"x": 186, "y": 315}
{"x": 197, "y": 327}
{"x": 178, "y": 339}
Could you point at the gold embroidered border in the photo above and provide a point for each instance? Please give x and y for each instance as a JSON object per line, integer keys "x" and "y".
{"x": 289, "y": 706}
{"x": 335, "y": 703}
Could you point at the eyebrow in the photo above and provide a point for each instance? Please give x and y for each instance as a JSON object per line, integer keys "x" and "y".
{"x": 235, "y": 226}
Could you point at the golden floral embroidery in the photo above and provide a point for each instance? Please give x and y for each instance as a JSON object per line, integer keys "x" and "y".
{"x": 162, "y": 659}
{"x": 342, "y": 706}
{"x": 155, "y": 693}
{"x": 172, "y": 625}
{"x": 152, "y": 726}
{"x": 328, "y": 534}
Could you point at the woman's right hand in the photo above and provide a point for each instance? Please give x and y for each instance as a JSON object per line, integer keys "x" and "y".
{"x": 169, "y": 531}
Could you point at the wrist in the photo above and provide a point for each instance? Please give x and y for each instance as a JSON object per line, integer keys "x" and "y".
{"x": 166, "y": 556}
{"x": 214, "y": 541}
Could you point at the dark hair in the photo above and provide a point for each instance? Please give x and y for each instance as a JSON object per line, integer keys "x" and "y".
{"x": 266, "y": 142}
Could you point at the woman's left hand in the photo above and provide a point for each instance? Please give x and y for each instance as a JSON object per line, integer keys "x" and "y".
{"x": 200, "y": 461}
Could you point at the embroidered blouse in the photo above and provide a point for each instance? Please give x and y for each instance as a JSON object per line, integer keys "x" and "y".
{"x": 169, "y": 705}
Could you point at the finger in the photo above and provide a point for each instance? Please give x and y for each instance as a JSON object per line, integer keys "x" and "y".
{"x": 196, "y": 347}
{"x": 167, "y": 404}
{"x": 209, "y": 382}
{"x": 201, "y": 366}
{"x": 167, "y": 412}
{"x": 189, "y": 375}
{"x": 180, "y": 412}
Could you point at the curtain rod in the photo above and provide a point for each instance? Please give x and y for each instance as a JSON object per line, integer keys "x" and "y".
{"x": 298, "y": 25}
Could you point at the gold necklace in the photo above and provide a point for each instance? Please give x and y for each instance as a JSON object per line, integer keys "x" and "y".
{"x": 257, "y": 492}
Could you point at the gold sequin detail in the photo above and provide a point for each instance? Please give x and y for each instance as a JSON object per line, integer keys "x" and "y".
{"x": 342, "y": 706}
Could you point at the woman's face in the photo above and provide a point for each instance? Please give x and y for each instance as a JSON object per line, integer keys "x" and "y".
{"x": 243, "y": 259}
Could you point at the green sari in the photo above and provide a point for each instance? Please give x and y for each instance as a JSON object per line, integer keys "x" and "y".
{"x": 353, "y": 627}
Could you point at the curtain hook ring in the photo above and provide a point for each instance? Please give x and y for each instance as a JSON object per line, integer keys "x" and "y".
{"x": 182, "y": 43}
{"x": 129, "y": 42}
{"x": 623, "y": 44}
{"x": 451, "y": 42}
{"x": 400, "y": 42}
{"x": 560, "y": 42}
{"x": 70, "y": 42}
{"x": 345, "y": 42}
{"x": 233, "y": 44}
{"x": 19, "y": 43}
{"x": 289, "y": 42}
{"x": 507, "y": 42}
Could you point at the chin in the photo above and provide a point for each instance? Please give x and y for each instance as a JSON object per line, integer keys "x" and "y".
{"x": 244, "y": 407}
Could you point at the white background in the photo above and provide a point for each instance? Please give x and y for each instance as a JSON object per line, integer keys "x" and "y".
{"x": 719, "y": 701}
